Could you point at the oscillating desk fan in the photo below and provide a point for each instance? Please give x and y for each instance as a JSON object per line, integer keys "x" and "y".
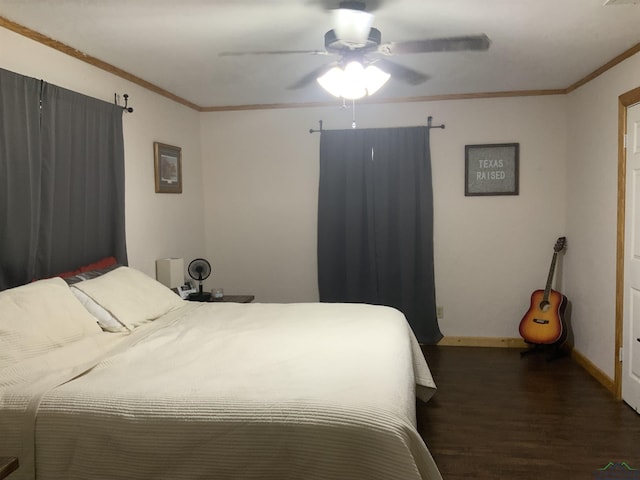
{"x": 199, "y": 269}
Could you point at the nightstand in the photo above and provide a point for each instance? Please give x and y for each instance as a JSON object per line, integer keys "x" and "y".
{"x": 234, "y": 299}
{"x": 8, "y": 465}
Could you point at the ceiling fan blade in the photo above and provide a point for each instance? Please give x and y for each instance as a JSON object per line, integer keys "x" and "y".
{"x": 273, "y": 52}
{"x": 312, "y": 76}
{"x": 449, "y": 44}
{"x": 402, "y": 73}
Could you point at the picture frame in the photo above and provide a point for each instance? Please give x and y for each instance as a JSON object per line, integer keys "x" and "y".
{"x": 492, "y": 169}
{"x": 167, "y": 168}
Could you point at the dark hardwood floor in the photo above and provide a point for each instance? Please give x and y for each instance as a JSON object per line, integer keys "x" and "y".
{"x": 499, "y": 416}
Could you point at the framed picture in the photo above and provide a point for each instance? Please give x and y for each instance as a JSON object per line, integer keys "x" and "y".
{"x": 168, "y": 168}
{"x": 491, "y": 169}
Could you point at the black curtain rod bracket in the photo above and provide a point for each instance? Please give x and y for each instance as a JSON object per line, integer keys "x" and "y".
{"x": 430, "y": 126}
{"x": 126, "y": 107}
{"x": 311, "y": 130}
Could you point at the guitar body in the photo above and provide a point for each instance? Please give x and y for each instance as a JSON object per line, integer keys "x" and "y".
{"x": 544, "y": 324}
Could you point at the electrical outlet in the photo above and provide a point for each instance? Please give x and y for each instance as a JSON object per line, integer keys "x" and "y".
{"x": 440, "y": 311}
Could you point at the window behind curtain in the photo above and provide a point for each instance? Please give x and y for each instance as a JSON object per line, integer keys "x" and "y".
{"x": 375, "y": 222}
{"x": 74, "y": 169}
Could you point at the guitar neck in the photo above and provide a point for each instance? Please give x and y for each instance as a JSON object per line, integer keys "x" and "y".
{"x": 547, "y": 289}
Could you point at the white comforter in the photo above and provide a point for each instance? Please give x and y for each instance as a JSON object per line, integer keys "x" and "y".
{"x": 226, "y": 391}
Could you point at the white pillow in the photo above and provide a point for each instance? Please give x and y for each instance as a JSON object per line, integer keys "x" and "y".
{"x": 39, "y": 317}
{"x": 132, "y": 297}
{"x": 107, "y": 322}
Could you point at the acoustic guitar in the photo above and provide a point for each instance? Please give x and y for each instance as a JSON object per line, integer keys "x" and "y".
{"x": 544, "y": 324}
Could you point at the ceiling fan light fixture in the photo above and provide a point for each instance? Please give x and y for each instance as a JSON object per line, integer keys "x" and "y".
{"x": 332, "y": 81}
{"x": 354, "y": 81}
{"x": 374, "y": 79}
{"x": 352, "y": 26}
{"x": 353, "y": 86}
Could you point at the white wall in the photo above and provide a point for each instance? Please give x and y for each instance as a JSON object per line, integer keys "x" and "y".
{"x": 592, "y": 160}
{"x": 158, "y": 225}
{"x": 261, "y": 172}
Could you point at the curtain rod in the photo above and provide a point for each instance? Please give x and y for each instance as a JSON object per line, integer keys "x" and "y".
{"x": 429, "y": 126}
{"x": 116, "y": 100}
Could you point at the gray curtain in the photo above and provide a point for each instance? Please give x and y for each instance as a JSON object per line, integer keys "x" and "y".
{"x": 375, "y": 222}
{"x": 62, "y": 173}
{"x": 20, "y": 167}
{"x": 83, "y": 182}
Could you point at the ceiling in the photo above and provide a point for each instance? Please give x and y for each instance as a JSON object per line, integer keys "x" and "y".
{"x": 536, "y": 44}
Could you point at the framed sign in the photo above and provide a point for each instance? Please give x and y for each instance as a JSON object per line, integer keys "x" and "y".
{"x": 491, "y": 169}
{"x": 168, "y": 168}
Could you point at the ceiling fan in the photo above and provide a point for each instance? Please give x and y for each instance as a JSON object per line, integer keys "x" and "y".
{"x": 362, "y": 55}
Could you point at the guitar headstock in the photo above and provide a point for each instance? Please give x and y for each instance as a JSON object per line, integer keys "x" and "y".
{"x": 560, "y": 245}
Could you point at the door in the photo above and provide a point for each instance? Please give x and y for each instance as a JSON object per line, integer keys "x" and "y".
{"x": 631, "y": 310}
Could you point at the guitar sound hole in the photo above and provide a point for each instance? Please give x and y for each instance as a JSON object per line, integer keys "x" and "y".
{"x": 544, "y": 306}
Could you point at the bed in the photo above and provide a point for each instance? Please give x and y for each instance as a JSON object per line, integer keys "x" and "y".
{"x": 116, "y": 377}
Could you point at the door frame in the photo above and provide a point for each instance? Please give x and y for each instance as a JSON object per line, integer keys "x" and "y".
{"x": 624, "y": 101}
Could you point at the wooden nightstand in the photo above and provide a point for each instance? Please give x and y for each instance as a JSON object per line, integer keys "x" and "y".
{"x": 234, "y": 299}
{"x": 8, "y": 465}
